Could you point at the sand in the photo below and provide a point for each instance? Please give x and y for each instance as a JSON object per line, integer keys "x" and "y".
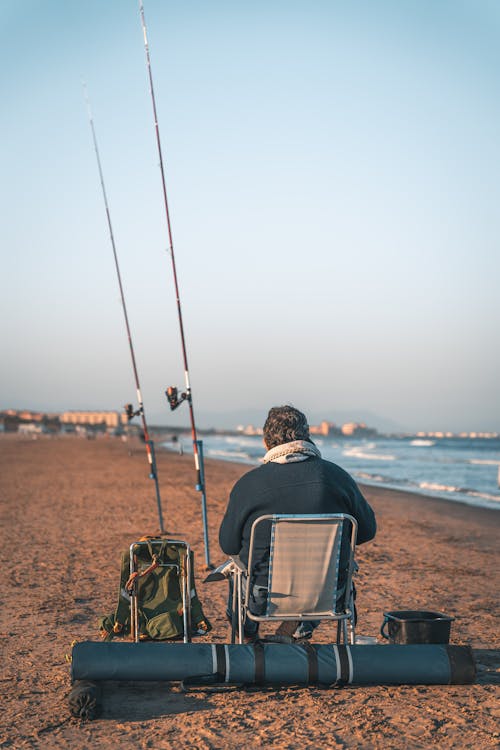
{"x": 70, "y": 505}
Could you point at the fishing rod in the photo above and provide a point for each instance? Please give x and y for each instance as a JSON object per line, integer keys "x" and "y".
{"x": 129, "y": 409}
{"x": 174, "y": 398}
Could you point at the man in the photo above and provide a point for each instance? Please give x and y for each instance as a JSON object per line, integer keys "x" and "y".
{"x": 293, "y": 479}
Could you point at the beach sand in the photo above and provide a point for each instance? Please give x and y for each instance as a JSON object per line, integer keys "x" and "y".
{"x": 70, "y": 505}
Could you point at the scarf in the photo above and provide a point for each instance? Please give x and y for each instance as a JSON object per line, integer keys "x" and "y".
{"x": 298, "y": 450}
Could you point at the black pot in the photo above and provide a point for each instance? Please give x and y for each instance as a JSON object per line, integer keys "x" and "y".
{"x": 416, "y": 626}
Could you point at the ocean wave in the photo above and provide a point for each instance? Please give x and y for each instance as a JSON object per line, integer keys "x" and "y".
{"x": 436, "y": 487}
{"x": 241, "y": 440}
{"x": 440, "y": 473}
{"x": 484, "y": 496}
{"x": 233, "y": 455}
{"x": 423, "y": 443}
{"x": 360, "y": 452}
{"x": 372, "y": 477}
{"x": 484, "y": 461}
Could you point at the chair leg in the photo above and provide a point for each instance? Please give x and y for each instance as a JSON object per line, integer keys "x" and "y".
{"x": 345, "y": 636}
{"x": 352, "y": 620}
{"x": 240, "y": 609}
{"x": 237, "y": 609}
{"x": 352, "y": 626}
{"x": 134, "y": 626}
{"x": 339, "y": 632}
{"x": 185, "y": 575}
{"x": 234, "y": 608}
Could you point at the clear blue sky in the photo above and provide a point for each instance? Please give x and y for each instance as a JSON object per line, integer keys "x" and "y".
{"x": 333, "y": 177}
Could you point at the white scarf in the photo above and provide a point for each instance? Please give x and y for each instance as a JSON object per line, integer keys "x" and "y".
{"x": 298, "y": 450}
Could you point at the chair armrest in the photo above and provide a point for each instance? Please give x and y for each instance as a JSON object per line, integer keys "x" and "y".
{"x": 226, "y": 570}
{"x": 239, "y": 565}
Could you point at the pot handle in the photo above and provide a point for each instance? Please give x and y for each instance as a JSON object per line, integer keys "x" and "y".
{"x": 382, "y": 632}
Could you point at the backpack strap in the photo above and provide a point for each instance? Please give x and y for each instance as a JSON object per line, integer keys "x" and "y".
{"x": 122, "y": 612}
{"x": 155, "y": 563}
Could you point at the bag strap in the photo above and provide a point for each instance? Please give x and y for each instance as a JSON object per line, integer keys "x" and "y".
{"x": 122, "y": 612}
{"x": 157, "y": 555}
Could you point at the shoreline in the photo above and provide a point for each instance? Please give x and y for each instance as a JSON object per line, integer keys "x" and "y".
{"x": 488, "y": 516}
{"x": 70, "y": 506}
{"x": 483, "y": 502}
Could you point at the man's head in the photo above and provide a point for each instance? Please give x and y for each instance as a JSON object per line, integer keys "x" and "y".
{"x": 284, "y": 424}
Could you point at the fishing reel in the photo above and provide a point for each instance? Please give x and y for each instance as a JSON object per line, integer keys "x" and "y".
{"x": 130, "y": 413}
{"x": 174, "y": 399}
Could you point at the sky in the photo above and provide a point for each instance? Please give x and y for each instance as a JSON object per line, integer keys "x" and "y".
{"x": 333, "y": 180}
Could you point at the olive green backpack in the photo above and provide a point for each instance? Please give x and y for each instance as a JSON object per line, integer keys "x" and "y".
{"x": 160, "y": 615}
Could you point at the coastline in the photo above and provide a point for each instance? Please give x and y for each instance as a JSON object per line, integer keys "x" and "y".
{"x": 467, "y": 475}
{"x": 70, "y": 505}
{"x": 487, "y": 517}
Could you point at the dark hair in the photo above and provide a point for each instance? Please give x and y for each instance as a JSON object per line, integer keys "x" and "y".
{"x": 284, "y": 424}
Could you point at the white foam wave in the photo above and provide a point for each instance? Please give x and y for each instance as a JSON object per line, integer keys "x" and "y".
{"x": 371, "y": 477}
{"x": 438, "y": 487}
{"x": 484, "y": 461}
{"x": 423, "y": 443}
{"x": 240, "y": 440}
{"x": 360, "y": 452}
{"x": 485, "y": 496}
{"x": 234, "y": 455}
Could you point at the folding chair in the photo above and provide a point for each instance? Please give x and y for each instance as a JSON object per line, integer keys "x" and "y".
{"x": 141, "y": 567}
{"x": 309, "y": 578}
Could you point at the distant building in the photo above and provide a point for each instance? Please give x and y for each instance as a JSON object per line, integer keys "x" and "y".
{"x": 249, "y": 430}
{"x": 31, "y": 428}
{"x": 324, "y": 428}
{"x": 32, "y": 416}
{"x": 355, "y": 429}
{"x": 350, "y": 429}
{"x": 13, "y": 418}
{"x": 111, "y": 419}
{"x": 464, "y": 435}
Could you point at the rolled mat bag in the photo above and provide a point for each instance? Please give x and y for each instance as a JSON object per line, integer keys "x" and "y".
{"x": 274, "y": 663}
{"x": 416, "y": 626}
{"x": 84, "y": 699}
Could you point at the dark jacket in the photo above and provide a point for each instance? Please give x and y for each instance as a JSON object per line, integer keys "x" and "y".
{"x": 310, "y": 486}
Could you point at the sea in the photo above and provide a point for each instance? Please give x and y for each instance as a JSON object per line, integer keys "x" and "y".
{"x": 461, "y": 470}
